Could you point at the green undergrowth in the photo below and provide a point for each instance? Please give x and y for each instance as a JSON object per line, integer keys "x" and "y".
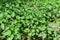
{"x": 29, "y": 19}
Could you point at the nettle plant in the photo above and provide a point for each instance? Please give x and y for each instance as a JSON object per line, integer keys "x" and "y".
{"x": 29, "y": 20}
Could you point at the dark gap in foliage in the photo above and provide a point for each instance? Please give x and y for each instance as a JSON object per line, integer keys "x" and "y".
{"x": 1, "y": 31}
{"x": 4, "y": 38}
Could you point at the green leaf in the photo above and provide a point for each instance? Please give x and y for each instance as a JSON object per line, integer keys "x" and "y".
{"x": 2, "y": 26}
{"x": 7, "y": 33}
{"x": 11, "y": 37}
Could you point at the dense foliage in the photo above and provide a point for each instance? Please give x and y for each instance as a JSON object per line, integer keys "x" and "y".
{"x": 29, "y": 19}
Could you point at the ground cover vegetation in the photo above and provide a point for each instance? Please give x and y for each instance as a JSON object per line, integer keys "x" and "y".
{"x": 29, "y": 19}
